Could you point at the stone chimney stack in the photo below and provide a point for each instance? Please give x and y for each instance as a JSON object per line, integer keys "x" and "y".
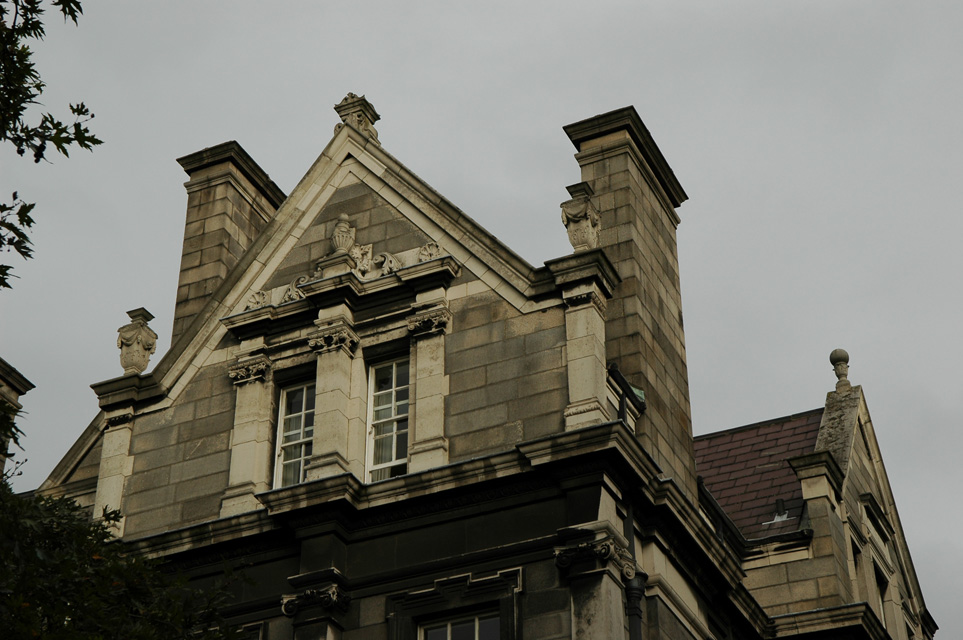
{"x": 636, "y": 194}
{"x": 230, "y": 199}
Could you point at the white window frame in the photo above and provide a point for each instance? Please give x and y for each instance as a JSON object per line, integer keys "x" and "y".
{"x": 305, "y": 432}
{"x": 399, "y": 412}
{"x": 447, "y": 624}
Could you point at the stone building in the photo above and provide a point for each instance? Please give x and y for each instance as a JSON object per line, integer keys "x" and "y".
{"x": 398, "y": 428}
{"x": 13, "y": 384}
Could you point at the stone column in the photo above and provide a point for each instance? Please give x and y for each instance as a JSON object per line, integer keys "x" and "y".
{"x": 252, "y": 440}
{"x": 429, "y": 446}
{"x": 336, "y": 403}
{"x": 585, "y": 349}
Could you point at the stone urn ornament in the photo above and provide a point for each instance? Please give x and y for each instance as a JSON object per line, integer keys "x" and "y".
{"x": 580, "y": 218}
{"x": 136, "y": 341}
{"x": 343, "y": 236}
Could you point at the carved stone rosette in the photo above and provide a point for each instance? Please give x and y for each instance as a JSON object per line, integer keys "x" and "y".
{"x": 333, "y": 337}
{"x": 591, "y": 557}
{"x": 430, "y": 251}
{"x": 256, "y": 300}
{"x": 581, "y": 218}
{"x": 136, "y": 341}
{"x": 250, "y": 370}
{"x": 431, "y": 322}
{"x": 331, "y": 597}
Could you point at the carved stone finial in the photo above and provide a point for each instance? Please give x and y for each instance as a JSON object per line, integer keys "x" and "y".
{"x": 136, "y": 341}
{"x": 359, "y": 113}
{"x": 581, "y": 218}
{"x": 840, "y": 361}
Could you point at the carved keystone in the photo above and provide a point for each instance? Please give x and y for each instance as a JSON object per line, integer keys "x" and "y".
{"x": 136, "y": 341}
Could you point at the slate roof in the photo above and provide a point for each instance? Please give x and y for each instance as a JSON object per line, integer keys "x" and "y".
{"x": 746, "y": 470}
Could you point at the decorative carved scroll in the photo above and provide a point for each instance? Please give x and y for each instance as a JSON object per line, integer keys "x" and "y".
{"x": 389, "y": 263}
{"x": 292, "y": 293}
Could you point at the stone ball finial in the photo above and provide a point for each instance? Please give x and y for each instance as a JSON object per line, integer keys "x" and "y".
{"x": 839, "y": 358}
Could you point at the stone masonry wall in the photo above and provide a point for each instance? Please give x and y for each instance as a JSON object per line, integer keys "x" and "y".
{"x": 181, "y": 457}
{"x": 507, "y": 379}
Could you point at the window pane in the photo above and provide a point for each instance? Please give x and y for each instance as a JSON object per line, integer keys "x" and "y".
{"x": 379, "y": 474}
{"x": 291, "y": 452}
{"x": 309, "y": 399}
{"x": 292, "y": 425}
{"x": 398, "y": 470}
{"x": 291, "y": 474}
{"x": 295, "y": 400}
{"x": 402, "y": 409}
{"x": 463, "y": 630}
{"x": 489, "y": 628}
{"x": 382, "y": 414}
{"x": 401, "y": 374}
{"x": 384, "y": 429}
{"x": 438, "y": 633}
{"x": 308, "y": 447}
{"x": 382, "y": 451}
{"x": 383, "y": 378}
{"x": 401, "y": 445}
{"x": 401, "y": 395}
{"x": 383, "y": 399}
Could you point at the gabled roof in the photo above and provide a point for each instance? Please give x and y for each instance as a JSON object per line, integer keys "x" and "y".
{"x": 747, "y": 470}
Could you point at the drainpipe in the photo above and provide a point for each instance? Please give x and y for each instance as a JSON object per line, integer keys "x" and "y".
{"x": 634, "y": 588}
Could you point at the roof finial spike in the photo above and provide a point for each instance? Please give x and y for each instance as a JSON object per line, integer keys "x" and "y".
{"x": 840, "y": 361}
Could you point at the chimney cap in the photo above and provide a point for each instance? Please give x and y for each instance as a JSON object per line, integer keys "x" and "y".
{"x": 627, "y": 119}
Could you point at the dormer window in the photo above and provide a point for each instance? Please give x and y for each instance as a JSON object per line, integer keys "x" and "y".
{"x": 388, "y": 420}
{"x": 295, "y": 432}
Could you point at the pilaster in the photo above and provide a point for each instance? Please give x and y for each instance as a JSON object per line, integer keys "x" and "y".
{"x": 335, "y": 343}
{"x": 429, "y": 446}
{"x": 253, "y": 435}
{"x": 116, "y": 463}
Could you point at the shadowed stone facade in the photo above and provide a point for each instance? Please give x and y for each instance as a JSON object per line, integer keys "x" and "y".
{"x": 394, "y": 426}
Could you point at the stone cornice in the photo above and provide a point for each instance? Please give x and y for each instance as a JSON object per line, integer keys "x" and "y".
{"x": 127, "y": 390}
{"x": 627, "y": 119}
{"x": 232, "y": 152}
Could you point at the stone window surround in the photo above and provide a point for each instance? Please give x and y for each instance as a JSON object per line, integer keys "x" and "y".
{"x": 456, "y": 597}
{"x": 430, "y": 631}
{"x": 404, "y": 334}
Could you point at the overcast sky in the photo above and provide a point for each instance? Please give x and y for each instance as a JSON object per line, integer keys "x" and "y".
{"x": 820, "y": 144}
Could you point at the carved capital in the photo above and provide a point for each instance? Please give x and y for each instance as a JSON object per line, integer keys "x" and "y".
{"x": 119, "y": 419}
{"x": 252, "y": 370}
{"x": 332, "y": 597}
{"x": 431, "y": 322}
{"x": 594, "y": 556}
{"x": 334, "y": 337}
{"x": 586, "y": 297}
